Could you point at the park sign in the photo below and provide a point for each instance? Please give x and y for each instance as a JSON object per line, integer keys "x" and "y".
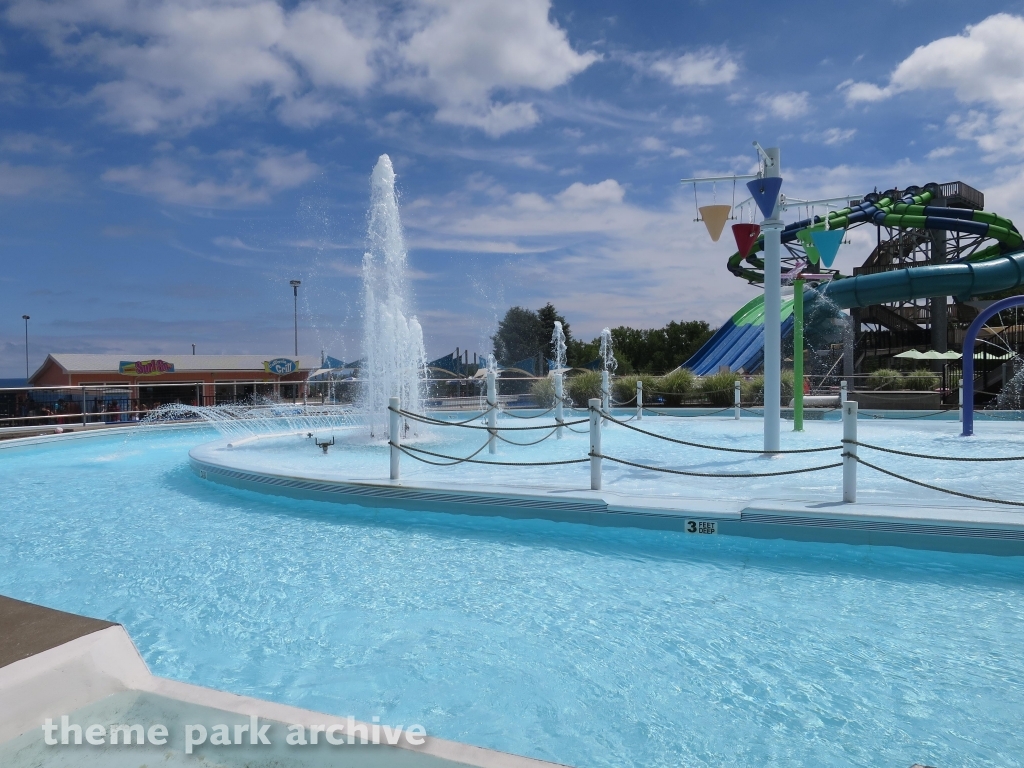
{"x": 145, "y": 368}
{"x": 281, "y": 366}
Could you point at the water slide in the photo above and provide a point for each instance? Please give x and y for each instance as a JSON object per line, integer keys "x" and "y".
{"x": 997, "y": 267}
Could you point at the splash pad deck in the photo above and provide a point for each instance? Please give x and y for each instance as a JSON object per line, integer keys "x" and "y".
{"x": 803, "y": 507}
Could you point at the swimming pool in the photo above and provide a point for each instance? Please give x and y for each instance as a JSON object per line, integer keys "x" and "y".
{"x": 583, "y": 645}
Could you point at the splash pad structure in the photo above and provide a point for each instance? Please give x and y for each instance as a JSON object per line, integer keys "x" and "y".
{"x": 456, "y": 474}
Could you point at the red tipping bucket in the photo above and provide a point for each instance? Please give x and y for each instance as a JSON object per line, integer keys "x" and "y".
{"x": 746, "y": 235}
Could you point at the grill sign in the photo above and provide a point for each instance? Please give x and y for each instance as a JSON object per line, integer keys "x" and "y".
{"x": 145, "y": 367}
{"x": 281, "y": 366}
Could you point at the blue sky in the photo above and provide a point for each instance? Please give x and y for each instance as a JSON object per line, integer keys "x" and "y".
{"x": 166, "y": 167}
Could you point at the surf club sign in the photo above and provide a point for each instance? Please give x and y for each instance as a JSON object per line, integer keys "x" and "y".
{"x": 281, "y": 366}
{"x": 145, "y": 368}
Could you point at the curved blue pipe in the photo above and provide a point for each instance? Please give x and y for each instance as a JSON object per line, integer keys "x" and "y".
{"x": 968, "y": 362}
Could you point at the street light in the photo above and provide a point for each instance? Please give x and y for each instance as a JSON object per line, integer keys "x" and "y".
{"x": 295, "y": 292}
{"x": 26, "y": 319}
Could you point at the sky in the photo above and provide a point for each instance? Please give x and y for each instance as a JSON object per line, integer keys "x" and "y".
{"x": 166, "y": 167}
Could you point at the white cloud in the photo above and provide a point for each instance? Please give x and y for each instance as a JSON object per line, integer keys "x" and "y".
{"x": 983, "y": 66}
{"x": 468, "y": 50}
{"x": 652, "y": 144}
{"x": 579, "y": 195}
{"x": 702, "y": 68}
{"x": 33, "y": 144}
{"x": 31, "y": 180}
{"x": 643, "y": 266}
{"x": 180, "y": 64}
{"x": 691, "y": 125}
{"x": 679, "y": 152}
{"x": 835, "y": 136}
{"x": 786, "y": 106}
{"x": 941, "y": 152}
{"x": 229, "y": 179}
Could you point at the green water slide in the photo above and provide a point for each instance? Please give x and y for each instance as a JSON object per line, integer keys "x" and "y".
{"x": 997, "y": 267}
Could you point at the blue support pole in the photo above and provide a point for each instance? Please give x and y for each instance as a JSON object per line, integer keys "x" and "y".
{"x": 968, "y": 359}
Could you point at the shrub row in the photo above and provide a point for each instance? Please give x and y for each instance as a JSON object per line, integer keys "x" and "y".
{"x": 889, "y": 379}
{"x": 672, "y": 390}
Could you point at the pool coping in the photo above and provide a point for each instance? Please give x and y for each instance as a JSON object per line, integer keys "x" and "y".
{"x": 988, "y": 529}
{"x": 102, "y": 660}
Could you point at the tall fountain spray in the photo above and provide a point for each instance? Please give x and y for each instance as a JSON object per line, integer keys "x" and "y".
{"x": 394, "y": 360}
{"x": 609, "y": 366}
{"x": 558, "y": 345}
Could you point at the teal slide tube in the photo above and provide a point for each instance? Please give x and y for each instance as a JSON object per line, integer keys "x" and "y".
{"x": 961, "y": 279}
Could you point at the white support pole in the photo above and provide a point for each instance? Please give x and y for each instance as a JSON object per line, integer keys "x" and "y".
{"x": 559, "y": 414}
{"x": 736, "y": 400}
{"x": 961, "y": 400}
{"x": 844, "y": 394}
{"x": 639, "y": 400}
{"x": 492, "y": 413}
{"x": 394, "y": 434}
{"x": 772, "y": 228}
{"x": 850, "y": 452}
{"x": 595, "y": 444}
{"x": 605, "y": 392}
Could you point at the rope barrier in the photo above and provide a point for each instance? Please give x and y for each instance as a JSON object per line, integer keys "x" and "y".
{"x": 534, "y": 442}
{"x": 936, "y": 458}
{"x": 717, "y": 474}
{"x": 465, "y": 425}
{"x": 456, "y": 460}
{"x": 508, "y": 412}
{"x": 935, "y": 487}
{"x": 685, "y": 416}
{"x": 717, "y": 447}
{"x": 451, "y": 423}
{"x": 910, "y": 418}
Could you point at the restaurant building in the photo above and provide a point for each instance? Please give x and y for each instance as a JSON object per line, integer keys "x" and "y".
{"x": 189, "y": 379}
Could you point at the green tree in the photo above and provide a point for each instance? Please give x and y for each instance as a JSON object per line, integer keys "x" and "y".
{"x": 655, "y": 350}
{"x": 518, "y": 336}
{"x": 579, "y": 353}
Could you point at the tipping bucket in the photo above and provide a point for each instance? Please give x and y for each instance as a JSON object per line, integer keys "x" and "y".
{"x": 827, "y": 242}
{"x": 746, "y": 235}
{"x": 714, "y": 218}
{"x": 766, "y": 193}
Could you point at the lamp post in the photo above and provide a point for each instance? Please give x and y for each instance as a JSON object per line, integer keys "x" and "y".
{"x": 26, "y": 319}
{"x": 295, "y": 293}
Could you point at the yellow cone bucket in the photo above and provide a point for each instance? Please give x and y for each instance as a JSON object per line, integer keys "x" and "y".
{"x": 714, "y": 217}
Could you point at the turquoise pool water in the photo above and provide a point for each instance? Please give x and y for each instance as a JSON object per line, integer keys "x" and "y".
{"x": 588, "y": 646}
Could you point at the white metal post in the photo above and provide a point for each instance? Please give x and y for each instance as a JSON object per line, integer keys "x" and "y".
{"x": 595, "y": 444}
{"x": 559, "y": 415}
{"x": 772, "y": 228}
{"x": 492, "y": 413}
{"x": 639, "y": 400}
{"x": 850, "y": 451}
{"x": 961, "y": 400}
{"x": 394, "y": 434}
{"x": 844, "y": 394}
{"x": 736, "y": 400}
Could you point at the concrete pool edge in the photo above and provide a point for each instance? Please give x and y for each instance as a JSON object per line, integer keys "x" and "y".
{"x": 977, "y": 529}
{"x": 102, "y": 662}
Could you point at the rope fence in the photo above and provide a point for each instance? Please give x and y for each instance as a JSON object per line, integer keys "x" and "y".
{"x": 848, "y": 447}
